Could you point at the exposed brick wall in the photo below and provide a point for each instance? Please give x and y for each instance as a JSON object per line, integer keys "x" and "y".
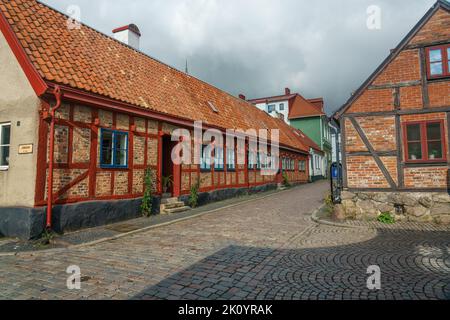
{"x": 61, "y": 144}
{"x": 363, "y": 172}
{"x": 353, "y": 142}
{"x": 103, "y": 183}
{"x": 405, "y": 67}
{"x": 140, "y": 125}
{"x": 63, "y": 177}
{"x": 138, "y": 181}
{"x": 82, "y": 114}
{"x": 436, "y": 29}
{"x": 152, "y": 152}
{"x": 185, "y": 186}
{"x": 205, "y": 180}
{"x": 120, "y": 183}
{"x": 434, "y": 177}
{"x": 374, "y": 100}
{"x": 138, "y": 150}
{"x": 391, "y": 165}
{"x": 106, "y": 118}
{"x": 439, "y": 93}
{"x": 81, "y": 145}
{"x": 122, "y": 122}
{"x": 63, "y": 112}
{"x": 411, "y": 97}
{"x": 380, "y": 132}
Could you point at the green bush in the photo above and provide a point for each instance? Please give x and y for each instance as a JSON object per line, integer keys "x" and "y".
{"x": 147, "y": 200}
{"x": 193, "y": 197}
{"x": 286, "y": 182}
{"x": 386, "y": 217}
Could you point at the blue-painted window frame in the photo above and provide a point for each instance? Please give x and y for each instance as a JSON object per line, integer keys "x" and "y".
{"x": 113, "y": 149}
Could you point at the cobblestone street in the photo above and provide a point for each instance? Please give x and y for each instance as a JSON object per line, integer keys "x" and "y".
{"x": 264, "y": 249}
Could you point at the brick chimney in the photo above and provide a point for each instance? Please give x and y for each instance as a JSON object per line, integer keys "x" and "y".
{"x": 241, "y": 96}
{"x": 130, "y": 35}
{"x": 287, "y": 91}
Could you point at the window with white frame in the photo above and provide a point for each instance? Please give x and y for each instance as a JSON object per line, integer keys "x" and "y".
{"x": 218, "y": 158}
{"x": 5, "y": 140}
{"x": 231, "y": 160}
{"x": 205, "y": 160}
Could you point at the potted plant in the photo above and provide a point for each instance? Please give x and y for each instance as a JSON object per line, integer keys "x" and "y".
{"x": 434, "y": 154}
{"x": 166, "y": 183}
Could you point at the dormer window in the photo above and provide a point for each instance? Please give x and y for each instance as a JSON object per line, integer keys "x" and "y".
{"x": 271, "y": 108}
{"x": 438, "y": 61}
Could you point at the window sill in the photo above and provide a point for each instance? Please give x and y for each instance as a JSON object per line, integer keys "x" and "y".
{"x": 113, "y": 168}
{"x": 439, "y": 162}
{"x": 4, "y": 168}
{"x": 438, "y": 78}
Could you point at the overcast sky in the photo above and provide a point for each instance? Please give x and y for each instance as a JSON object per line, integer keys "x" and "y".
{"x": 259, "y": 47}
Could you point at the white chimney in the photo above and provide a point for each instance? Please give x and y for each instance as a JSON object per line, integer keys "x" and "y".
{"x": 130, "y": 35}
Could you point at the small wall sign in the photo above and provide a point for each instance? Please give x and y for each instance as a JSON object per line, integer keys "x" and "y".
{"x": 25, "y": 148}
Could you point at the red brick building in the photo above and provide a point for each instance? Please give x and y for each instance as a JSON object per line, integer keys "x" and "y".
{"x": 395, "y": 129}
{"x": 117, "y": 110}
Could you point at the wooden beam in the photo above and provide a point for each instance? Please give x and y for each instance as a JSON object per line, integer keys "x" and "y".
{"x": 399, "y": 112}
{"x": 398, "y": 136}
{"x": 367, "y": 153}
{"x": 424, "y": 80}
{"x": 343, "y": 153}
{"x": 395, "y": 85}
{"x": 73, "y": 183}
{"x": 373, "y": 153}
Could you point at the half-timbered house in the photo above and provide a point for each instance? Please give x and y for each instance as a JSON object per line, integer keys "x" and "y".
{"x": 395, "y": 129}
{"x": 113, "y": 110}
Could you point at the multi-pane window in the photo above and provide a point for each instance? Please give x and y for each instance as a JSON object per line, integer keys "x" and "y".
{"x": 271, "y": 108}
{"x": 425, "y": 141}
{"x": 251, "y": 159}
{"x": 281, "y": 106}
{"x": 231, "y": 160}
{"x": 438, "y": 59}
{"x": 114, "y": 149}
{"x": 205, "y": 159}
{"x": 5, "y": 140}
{"x": 218, "y": 158}
{"x": 302, "y": 165}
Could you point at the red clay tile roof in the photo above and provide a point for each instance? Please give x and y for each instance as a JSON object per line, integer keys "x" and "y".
{"x": 301, "y": 108}
{"x": 88, "y": 60}
{"x": 272, "y": 99}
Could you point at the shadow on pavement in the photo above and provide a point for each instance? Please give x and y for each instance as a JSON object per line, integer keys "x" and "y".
{"x": 414, "y": 265}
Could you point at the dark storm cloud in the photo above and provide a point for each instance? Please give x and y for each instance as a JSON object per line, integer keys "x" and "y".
{"x": 258, "y": 47}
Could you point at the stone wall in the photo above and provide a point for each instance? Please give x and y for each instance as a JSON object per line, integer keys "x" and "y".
{"x": 405, "y": 206}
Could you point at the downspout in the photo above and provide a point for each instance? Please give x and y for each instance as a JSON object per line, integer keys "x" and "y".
{"x": 57, "y": 93}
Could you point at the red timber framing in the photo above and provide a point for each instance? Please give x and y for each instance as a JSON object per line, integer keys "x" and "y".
{"x": 72, "y": 175}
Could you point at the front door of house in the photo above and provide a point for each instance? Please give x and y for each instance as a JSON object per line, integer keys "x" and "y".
{"x": 171, "y": 172}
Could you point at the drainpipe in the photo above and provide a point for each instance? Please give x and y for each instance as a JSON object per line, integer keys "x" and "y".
{"x": 57, "y": 93}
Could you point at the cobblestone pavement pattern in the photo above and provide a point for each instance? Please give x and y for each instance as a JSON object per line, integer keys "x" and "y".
{"x": 265, "y": 249}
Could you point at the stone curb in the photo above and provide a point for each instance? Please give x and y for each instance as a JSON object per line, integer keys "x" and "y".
{"x": 315, "y": 218}
{"x": 119, "y": 236}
